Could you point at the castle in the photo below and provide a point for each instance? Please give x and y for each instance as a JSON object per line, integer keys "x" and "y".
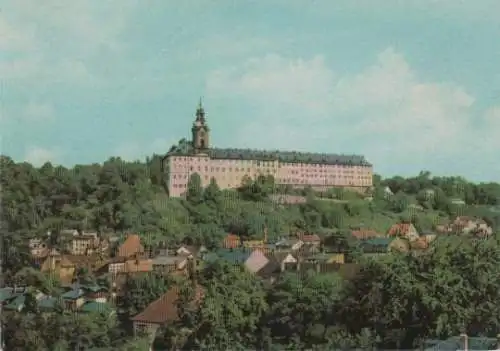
{"x": 230, "y": 166}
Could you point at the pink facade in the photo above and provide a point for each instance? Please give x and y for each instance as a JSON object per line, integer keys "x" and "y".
{"x": 230, "y": 173}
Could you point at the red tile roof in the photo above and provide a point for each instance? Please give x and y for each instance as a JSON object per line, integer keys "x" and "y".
{"x": 130, "y": 246}
{"x": 164, "y": 309}
{"x": 231, "y": 241}
{"x": 138, "y": 265}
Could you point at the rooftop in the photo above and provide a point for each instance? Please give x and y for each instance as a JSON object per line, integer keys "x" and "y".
{"x": 234, "y": 256}
{"x": 93, "y": 306}
{"x": 165, "y": 308}
{"x": 72, "y": 294}
{"x": 130, "y": 246}
{"x": 184, "y": 148}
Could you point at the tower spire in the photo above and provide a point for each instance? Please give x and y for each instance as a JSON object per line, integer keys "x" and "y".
{"x": 200, "y": 113}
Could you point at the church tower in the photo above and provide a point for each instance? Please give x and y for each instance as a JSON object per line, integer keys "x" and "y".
{"x": 200, "y": 131}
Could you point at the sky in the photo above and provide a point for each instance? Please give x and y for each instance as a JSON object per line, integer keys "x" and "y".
{"x": 411, "y": 84}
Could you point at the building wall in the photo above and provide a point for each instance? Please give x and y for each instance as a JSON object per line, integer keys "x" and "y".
{"x": 230, "y": 173}
{"x": 80, "y": 245}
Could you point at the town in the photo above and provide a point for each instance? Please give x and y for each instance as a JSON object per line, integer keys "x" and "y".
{"x": 284, "y": 265}
{"x": 250, "y": 175}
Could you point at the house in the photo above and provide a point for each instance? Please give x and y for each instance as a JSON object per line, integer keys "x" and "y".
{"x": 138, "y": 265}
{"x": 289, "y": 244}
{"x": 59, "y": 265}
{"x": 49, "y": 303}
{"x": 166, "y": 263}
{"x": 270, "y": 272}
{"x": 310, "y": 239}
{"x": 73, "y": 299}
{"x": 68, "y": 232}
{"x": 116, "y": 265}
{"x": 305, "y": 251}
{"x": 377, "y": 246}
{"x": 39, "y": 251}
{"x": 363, "y": 234}
{"x": 84, "y": 244}
{"x": 96, "y": 307}
{"x": 131, "y": 246}
{"x": 406, "y": 230}
{"x": 66, "y": 266}
{"x": 131, "y": 267}
{"x": 91, "y": 292}
{"x": 388, "y": 192}
{"x": 253, "y": 244}
{"x": 9, "y": 293}
{"x": 37, "y": 247}
{"x": 326, "y": 258}
{"x": 162, "y": 311}
{"x": 253, "y": 260}
{"x": 466, "y": 225}
{"x": 190, "y": 250}
{"x": 231, "y": 241}
{"x": 283, "y": 259}
{"x": 17, "y": 299}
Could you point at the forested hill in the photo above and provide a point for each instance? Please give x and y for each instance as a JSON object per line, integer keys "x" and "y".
{"x": 119, "y": 196}
{"x": 390, "y": 303}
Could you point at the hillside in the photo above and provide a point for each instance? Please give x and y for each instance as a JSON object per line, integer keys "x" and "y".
{"x": 395, "y": 300}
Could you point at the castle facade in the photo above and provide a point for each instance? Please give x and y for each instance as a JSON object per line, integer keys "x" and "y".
{"x": 230, "y": 166}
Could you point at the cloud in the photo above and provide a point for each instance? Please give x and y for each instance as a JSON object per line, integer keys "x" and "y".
{"x": 132, "y": 151}
{"x": 52, "y": 42}
{"x": 385, "y": 112}
{"x": 37, "y": 156}
{"x": 485, "y": 10}
{"x": 36, "y": 111}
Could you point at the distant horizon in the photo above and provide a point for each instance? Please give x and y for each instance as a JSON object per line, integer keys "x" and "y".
{"x": 410, "y": 85}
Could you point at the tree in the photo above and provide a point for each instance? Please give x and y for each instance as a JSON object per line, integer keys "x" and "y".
{"x": 194, "y": 193}
{"x": 228, "y": 318}
{"x": 140, "y": 291}
{"x": 212, "y": 193}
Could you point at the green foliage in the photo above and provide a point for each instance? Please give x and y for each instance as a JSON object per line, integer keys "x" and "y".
{"x": 390, "y": 304}
{"x": 140, "y": 291}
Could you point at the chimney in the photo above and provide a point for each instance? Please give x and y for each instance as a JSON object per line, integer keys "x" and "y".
{"x": 464, "y": 341}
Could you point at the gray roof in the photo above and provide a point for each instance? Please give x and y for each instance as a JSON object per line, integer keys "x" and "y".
{"x": 162, "y": 260}
{"x": 185, "y": 148}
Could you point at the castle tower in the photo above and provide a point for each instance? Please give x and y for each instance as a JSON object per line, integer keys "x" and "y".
{"x": 200, "y": 130}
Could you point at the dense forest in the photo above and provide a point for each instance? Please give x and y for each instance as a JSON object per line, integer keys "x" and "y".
{"x": 392, "y": 303}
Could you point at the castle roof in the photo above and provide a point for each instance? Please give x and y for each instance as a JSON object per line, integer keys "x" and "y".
{"x": 184, "y": 148}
